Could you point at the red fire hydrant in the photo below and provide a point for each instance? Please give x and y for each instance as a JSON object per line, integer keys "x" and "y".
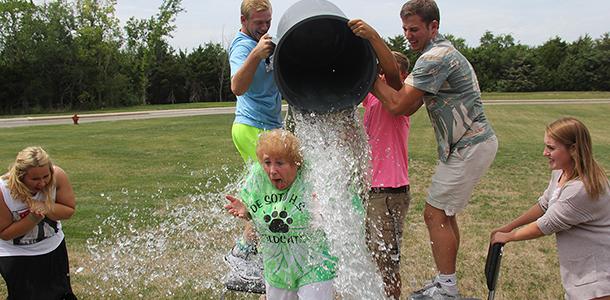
{"x": 75, "y": 119}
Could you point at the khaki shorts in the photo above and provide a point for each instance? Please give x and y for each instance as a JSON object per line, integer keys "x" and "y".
{"x": 385, "y": 218}
{"x": 454, "y": 180}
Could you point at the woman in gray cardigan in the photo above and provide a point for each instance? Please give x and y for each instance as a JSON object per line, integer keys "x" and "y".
{"x": 576, "y": 207}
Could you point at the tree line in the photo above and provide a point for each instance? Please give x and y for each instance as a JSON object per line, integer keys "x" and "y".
{"x": 504, "y": 65}
{"x": 69, "y": 55}
{"x": 74, "y": 55}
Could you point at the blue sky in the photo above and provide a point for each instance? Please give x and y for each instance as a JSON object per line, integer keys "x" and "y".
{"x": 530, "y": 22}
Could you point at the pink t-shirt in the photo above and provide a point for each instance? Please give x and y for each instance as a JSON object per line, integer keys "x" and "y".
{"x": 389, "y": 140}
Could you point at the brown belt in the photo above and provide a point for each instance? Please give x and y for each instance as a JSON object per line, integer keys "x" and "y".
{"x": 391, "y": 190}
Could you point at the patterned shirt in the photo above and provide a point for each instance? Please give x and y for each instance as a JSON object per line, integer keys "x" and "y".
{"x": 452, "y": 97}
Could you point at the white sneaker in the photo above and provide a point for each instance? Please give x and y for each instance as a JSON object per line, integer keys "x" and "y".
{"x": 433, "y": 291}
{"x": 249, "y": 268}
{"x": 235, "y": 282}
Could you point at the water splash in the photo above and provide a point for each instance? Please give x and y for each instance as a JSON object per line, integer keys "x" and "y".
{"x": 180, "y": 244}
{"x": 166, "y": 248}
{"x": 337, "y": 159}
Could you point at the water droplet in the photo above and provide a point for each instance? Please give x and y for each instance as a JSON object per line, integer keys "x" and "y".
{"x": 336, "y": 152}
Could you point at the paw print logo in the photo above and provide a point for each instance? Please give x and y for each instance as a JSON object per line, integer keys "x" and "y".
{"x": 278, "y": 221}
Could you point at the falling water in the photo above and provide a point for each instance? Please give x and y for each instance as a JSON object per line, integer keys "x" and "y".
{"x": 336, "y": 152}
{"x": 176, "y": 249}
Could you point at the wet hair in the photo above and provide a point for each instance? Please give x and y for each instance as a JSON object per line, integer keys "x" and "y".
{"x": 257, "y": 5}
{"x": 30, "y": 157}
{"x": 426, "y": 9}
{"x": 403, "y": 61}
{"x": 574, "y": 135}
{"x": 280, "y": 143}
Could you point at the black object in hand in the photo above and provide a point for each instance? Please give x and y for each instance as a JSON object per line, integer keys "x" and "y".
{"x": 492, "y": 267}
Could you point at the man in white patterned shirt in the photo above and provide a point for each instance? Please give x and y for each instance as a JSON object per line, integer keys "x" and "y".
{"x": 446, "y": 83}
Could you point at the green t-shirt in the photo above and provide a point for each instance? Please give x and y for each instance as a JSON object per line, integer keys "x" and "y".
{"x": 294, "y": 253}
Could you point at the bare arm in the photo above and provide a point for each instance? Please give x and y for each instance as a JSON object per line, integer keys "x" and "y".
{"x": 527, "y": 232}
{"x": 531, "y": 230}
{"x": 65, "y": 202}
{"x": 9, "y": 229}
{"x": 240, "y": 82}
{"x": 404, "y": 102}
{"x": 384, "y": 55}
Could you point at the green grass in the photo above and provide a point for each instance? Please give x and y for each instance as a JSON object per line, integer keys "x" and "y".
{"x": 518, "y": 176}
{"x": 130, "y": 109}
{"x": 485, "y": 96}
{"x": 546, "y": 95}
{"x": 107, "y": 157}
{"x": 118, "y": 167}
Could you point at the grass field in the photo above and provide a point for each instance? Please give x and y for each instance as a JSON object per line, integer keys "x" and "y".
{"x": 147, "y": 107}
{"x": 545, "y": 95}
{"x": 117, "y": 168}
{"x": 485, "y": 96}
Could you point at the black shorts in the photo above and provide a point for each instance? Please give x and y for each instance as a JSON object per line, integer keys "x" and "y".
{"x": 38, "y": 277}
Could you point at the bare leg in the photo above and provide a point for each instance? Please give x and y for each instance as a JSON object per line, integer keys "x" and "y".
{"x": 456, "y": 231}
{"x": 443, "y": 239}
{"x": 249, "y": 233}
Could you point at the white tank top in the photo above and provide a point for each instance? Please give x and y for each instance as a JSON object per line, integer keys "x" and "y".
{"x": 42, "y": 239}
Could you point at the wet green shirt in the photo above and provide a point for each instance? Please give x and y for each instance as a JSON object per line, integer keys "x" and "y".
{"x": 294, "y": 253}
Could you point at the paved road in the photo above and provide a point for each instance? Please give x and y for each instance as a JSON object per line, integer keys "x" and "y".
{"x": 136, "y": 115}
{"x": 67, "y": 119}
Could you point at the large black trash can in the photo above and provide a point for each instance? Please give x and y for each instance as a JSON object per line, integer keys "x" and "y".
{"x": 319, "y": 64}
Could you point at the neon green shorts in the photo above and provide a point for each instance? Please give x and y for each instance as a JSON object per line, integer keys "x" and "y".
{"x": 245, "y": 138}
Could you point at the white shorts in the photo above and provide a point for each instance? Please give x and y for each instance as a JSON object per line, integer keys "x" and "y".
{"x": 323, "y": 290}
{"x": 454, "y": 180}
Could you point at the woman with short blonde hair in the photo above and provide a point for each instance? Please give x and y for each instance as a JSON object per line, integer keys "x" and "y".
{"x": 275, "y": 197}
{"x": 279, "y": 142}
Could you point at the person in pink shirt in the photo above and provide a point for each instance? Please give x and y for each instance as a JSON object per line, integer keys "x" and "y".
{"x": 389, "y": 196}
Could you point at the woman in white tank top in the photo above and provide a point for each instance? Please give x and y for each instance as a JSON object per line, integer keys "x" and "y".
{"x": 35, "y": 196}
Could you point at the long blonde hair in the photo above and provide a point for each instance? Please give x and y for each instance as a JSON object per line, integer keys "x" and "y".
{"x": 574, "y": 135}
{"x": 30, "y": 157}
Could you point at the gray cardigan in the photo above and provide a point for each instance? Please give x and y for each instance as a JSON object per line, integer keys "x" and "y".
{"x": 582, "y": 229}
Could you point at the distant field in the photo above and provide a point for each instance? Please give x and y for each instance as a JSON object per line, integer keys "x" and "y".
{"x": 545, "y": 95}
{"x": 485, "y": 96}
{"x": 132, "y": 108}
{"x": 150, "y": 166}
